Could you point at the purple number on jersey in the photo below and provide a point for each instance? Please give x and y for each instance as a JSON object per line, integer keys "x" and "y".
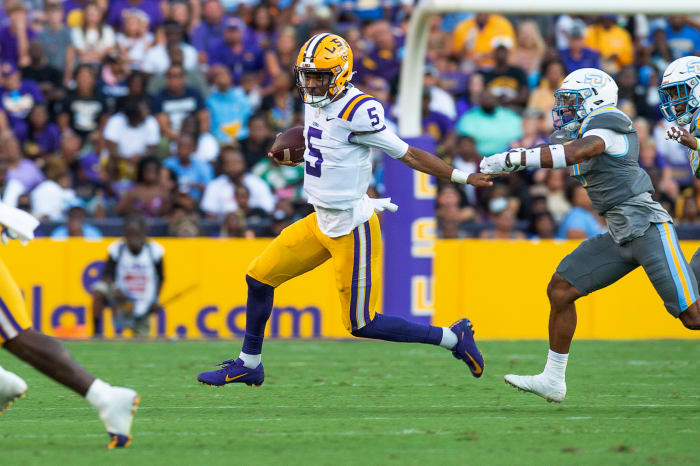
{"x": 314, "y": 169}
{"x": 372, "y": 112}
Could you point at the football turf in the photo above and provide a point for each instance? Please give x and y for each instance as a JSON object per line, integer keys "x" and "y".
{"x": 360, "y": 402}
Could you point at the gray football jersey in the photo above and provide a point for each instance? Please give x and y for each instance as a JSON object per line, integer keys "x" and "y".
{"x": 619, "y": 188}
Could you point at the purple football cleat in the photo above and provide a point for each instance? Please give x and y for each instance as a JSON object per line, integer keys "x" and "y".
{"x": 466, "y": 349}
{"x": 233, "y": 372}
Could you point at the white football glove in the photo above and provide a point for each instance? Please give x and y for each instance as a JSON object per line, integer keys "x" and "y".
{"x": 674, "y": 133}
{"x": 496, "y": 164}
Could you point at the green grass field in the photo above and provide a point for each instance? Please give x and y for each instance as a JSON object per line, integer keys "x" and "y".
{"x": 338, "y": 403}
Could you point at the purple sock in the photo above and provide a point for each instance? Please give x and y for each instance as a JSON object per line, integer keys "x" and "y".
{"x": 258, "y": 310}
{"x": 392, "y": 328}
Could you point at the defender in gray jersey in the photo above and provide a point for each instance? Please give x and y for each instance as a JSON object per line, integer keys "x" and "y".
{"x": 680, "y": 102}
{"x": 601, "y": 150}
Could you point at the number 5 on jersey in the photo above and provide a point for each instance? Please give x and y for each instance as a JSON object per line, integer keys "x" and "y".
{"x": 314, "y": 168}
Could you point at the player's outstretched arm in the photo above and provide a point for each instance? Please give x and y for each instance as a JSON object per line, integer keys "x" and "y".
{"x": 551, "y": 156}
{"x": 428, "y": 163}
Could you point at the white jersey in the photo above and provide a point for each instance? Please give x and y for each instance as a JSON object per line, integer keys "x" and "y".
{"x": 338, "y": 161}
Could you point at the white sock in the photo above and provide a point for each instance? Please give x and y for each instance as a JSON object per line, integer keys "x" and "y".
{"x": 98, "y": 394}
{"x": 449, "y": 339}
{"x": 251, "y": 361}
{"x": 555, "y": 368}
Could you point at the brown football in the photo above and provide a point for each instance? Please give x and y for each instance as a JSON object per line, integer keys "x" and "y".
{"x": 290, "y": 146}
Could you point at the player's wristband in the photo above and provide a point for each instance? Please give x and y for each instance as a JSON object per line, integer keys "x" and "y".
{"x": 458, "y": 176}
{"x": 558, "y": 156}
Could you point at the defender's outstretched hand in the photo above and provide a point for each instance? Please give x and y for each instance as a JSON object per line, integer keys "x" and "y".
{"x": 681, "y": 136}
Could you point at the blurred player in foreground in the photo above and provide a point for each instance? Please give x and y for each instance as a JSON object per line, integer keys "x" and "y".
{"x": 342, "y": 125}
{"x": 680, "y": 102}
{"x": 602, "y": 152}
{"x": 115, "y": 405}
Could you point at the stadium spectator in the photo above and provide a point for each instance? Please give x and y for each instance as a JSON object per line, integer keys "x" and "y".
{"x": 93, "y": 40}
{"x": 131, "y": 281}
{"x": 132, "y": 133}
{"x": 193, "y": 175}
{"x": 229, "y": 107}
{"x": 43, "y": 136}
{"x": 17, "y": 97}
{"x": 440, "y": 100}
{"x": 207, "y": 146}
{"x": 687, "y": 211}
{"x": 210, "y": 29}
{"x": 234, "y": 52}
{"x": 543, "y": 226}
{"x": 557, "y": 202}
{"x": 176, "y": 102}
{"x": 435, "y": 124}
{"x": 260, "y": 138}
{"x": 19, "y": 168}
{"x": 10, "y": 189}
{"x": 49, "y": 79}
{"x": 194, "y": 78}
{"x": 136, "y": 90}
{"x": 15, "y": 37}
{"x": 283, "y": 107}
{"x": 503, "y": 220}
{"x": 473, "y": 38}
{"x": 53, "y": 196}
{"x": 532, "y": 130}
{"x": 508, "y": 83}
{"x": 134, "y": 39}
{"x": 542, "y": 98}
{"x": 55, "y": 40}
{"x": 580, "y": 221}
{"x": 612, "y": 42}
{"x": 112, "y": 82}
{"x": 84, "y": 109}
{"x": 148, "y": 197}
{"x": 383, "y": 58}
{"x": 466, "y": 157}
{"x": 119, "y": 11}
{"x": 682, "y": 38}
{"x": 157, "y": 59}
{"x": 256, "y": 218}
{"x": 75, "y": 226}
{"x": 234, "y": 226}
{"x": 283, "y": 56}
{"x": 220, "y": 197}
{"x": 577, "y": 55}
{"x": 285, "y": 181}
{"x": 529, "y": 50}
{"x": 451, "y": 206}
{"x": 262, "y": 29}
{"x": 493, "y": 127}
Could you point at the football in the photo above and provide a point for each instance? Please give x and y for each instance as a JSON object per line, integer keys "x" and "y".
{"x": 290, "y": 146}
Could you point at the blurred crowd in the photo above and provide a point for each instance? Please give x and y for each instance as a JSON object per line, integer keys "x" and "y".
{"x": 167, "y": 109}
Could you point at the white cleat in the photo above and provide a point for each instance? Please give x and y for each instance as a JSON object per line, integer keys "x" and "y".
{"x": 552, "y": 391}
{"x": 117, "y": 415}
{"x": 12, "y": 387}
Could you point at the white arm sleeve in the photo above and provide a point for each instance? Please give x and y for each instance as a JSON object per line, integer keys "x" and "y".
{"x": 384, "y": 140}
{"x": 616, "y": 144}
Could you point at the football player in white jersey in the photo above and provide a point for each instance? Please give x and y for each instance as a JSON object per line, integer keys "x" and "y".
{"x": 342, "y": 125}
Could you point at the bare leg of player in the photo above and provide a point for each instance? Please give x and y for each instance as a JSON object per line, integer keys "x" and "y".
{"x": 115, "y": 405}
{"x": 551, "y": 383}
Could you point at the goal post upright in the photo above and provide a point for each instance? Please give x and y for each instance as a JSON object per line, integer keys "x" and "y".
{"x": 413, "y": 63}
